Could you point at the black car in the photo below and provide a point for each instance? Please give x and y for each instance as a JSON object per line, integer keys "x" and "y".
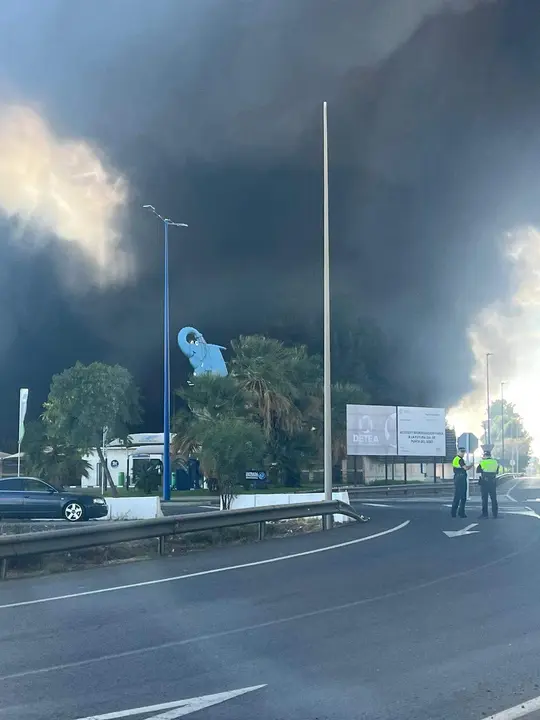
{"x": 29, "y": 498}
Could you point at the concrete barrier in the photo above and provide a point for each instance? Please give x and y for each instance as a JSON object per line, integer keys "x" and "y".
{"x": 136, "y": 508}
{"x": 269, "y": 499}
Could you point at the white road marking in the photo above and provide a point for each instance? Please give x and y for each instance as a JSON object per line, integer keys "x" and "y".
{"x": 228, "y": 568}
{"x": 518, "y": 711}
{"x": 527, "y": 512}
{"x": 402, "y": 500}
{"x": 509, "y": 493}
{"x": 374, "y": 504}
{"x": 177, "y": 709}
{"x": 501, "y": 507}
{"x": 464, "y": 531}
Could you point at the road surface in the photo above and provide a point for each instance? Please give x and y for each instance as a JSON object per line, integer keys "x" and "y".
{"x": 394, "y": 619}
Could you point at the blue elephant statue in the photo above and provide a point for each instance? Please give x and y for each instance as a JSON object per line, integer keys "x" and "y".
{"x": 204, "y": 357}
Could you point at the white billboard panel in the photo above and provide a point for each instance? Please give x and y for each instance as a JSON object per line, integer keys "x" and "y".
{"x": 371, "y": 430}
{"x": 421, "y": 431}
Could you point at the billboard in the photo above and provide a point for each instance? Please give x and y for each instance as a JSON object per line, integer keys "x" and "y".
{"x": 389, "y": 430}
{"x": 421, "y": 431}
{"x": 371, "y": 430}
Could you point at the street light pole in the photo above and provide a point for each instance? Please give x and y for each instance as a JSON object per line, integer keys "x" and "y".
{"x": 488, "y": 355}
{"x": 166, "y": 357}
{"x": 502, "y": 423}
{"x": 327, "y": 335}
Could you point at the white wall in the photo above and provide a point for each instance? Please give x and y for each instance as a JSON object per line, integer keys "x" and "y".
{"x": 124, "y": 457}
{"x": 119, "y": 454}
{"x": 270, "y": 499}
{"x": 134, "y": 508}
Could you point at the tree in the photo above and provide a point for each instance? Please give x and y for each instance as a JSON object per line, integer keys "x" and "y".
{"x": 147, "y": 475}
{"x": 282, "y": 389}
{"x": 273, "y": 388}
{"x": 275, "y": 377}
{"x": 86, "y": 399}
{"x": 517, "y": 441}
{"x": 59, "y": 463}
{"x": 217, "y": 426}
{"x": 229, "y": 447}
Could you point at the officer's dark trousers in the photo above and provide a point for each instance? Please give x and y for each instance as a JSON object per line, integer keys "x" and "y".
{"x": 460, "y": 494}
{"x": 489, "y": 490}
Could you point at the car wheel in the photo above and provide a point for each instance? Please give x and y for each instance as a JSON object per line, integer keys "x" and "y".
{"x": 73, "y": 512}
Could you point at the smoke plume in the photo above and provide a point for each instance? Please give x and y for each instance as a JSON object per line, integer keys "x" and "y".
{"x": 59, "y": 187}
{"x": 210, "y": 111}
{"x": 510, "y": 330}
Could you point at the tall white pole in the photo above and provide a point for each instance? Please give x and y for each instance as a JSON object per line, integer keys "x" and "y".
{"x": 327, "y": 336}
{"x": 488, "y": 399}
{"x": 23, "y": 403}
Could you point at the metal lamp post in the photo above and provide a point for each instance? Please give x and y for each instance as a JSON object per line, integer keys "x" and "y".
{"x": 166, "y": 357}
{"x": 502, "y": 423}
{"x": 327, "y": 336}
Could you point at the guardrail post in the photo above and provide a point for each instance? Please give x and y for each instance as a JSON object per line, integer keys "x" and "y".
{"x": 327, "y": 522}
{"x": 261, "y": 534}
{"x": 3, "y": 569}
{"x": 161, "y": 545}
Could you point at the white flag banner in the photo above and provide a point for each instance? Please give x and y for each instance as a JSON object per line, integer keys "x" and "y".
{"x": 23, "y": 404}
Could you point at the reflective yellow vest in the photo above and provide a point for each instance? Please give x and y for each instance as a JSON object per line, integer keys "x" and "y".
{"x": 489, "y": 466}
{"x": 456, "y": 462}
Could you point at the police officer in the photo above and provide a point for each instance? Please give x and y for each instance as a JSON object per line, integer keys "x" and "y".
{"x": 460, "y": 484}
{"x": 488, "y": 469}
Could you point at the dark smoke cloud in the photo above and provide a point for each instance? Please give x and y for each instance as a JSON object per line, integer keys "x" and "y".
{"x": 210, "y": 110}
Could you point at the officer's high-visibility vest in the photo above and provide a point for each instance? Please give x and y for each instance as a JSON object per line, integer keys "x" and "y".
{"x": 456, "y": 464}
{"x": 489, "y": 466}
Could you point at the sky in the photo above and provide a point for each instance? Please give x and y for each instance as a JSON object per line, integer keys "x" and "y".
{"x": 211, "y": 111}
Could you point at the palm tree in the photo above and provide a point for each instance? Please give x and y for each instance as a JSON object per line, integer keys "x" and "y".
{"x": 275, "y": 377}
{"x": 59, "y": 463}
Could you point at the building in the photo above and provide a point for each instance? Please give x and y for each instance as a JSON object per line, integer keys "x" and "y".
{"x": 390, "y": 469}
{"x": 121, "y": 458}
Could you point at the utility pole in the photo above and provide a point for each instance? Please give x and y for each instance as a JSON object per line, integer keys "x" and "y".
{"x": 502, "y": 423}
{"x": 327, "y": 334}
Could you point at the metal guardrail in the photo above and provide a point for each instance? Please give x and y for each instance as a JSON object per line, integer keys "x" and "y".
{"x": 405, "y": 488}
{"x": 87, "y": 536}
{"x": 426, "y": 488}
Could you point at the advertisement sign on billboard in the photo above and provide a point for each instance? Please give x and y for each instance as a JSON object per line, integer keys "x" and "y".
{"x": 421, "y": 431}
{"x": 402, "y": 431}
{"x": 371, "y": 430}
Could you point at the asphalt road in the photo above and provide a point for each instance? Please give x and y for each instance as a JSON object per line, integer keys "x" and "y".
{"x": 396, "y": 621}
